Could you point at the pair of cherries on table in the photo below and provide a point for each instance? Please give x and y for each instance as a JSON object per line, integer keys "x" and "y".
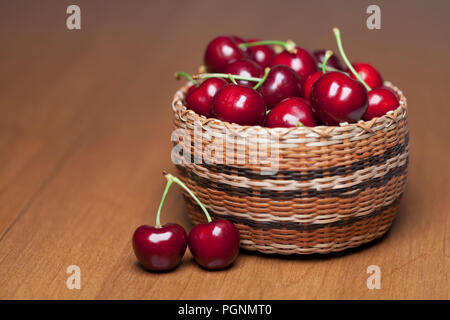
{"x": 214, "y": 245}
{"x": 290, "y": 90}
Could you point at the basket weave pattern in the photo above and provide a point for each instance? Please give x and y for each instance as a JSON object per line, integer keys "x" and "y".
{"x": 335, "y": 187}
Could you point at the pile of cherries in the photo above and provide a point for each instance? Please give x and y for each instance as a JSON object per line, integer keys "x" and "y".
{"x": 249, "y": 83}
{"x": 214, "y": 245}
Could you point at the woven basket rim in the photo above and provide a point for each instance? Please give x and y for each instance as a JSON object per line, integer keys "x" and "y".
{"x": 322, "y": 130}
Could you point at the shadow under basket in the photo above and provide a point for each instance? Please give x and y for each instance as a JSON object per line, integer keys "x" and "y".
{"x": 333, "y": 188}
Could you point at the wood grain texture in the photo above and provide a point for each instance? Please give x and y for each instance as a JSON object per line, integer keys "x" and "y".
{"x": 85, "y": 134}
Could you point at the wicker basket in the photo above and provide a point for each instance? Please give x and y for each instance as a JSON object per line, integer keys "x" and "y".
{"x": 335, "y": 187}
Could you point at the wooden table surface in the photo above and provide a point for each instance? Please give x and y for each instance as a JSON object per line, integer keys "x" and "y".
{"x": 85, "y": 133}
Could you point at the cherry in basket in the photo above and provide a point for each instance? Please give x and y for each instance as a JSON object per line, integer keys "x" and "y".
{"x": 220, "y": 52}
{"x": 199, "y": 96}
{"x": 368, "y": 74}
{"x": 237, "y": 103}
{"x": 298, "y": 59}
{"x": 337, "y": 98}
{"x": 261, "y": 54}
{"x": 381, "y": 101}
{"x": 282, "y": 82}
{"x": 244, "y": 67}
{"x": 291, "y": 112}
{"x": 309, "y": 83}
{"x": 333, "y": 61}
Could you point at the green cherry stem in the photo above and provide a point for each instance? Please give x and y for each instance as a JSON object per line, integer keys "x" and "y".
{"x": 171, "y": 178}
{"x": 163, "y": 198}
{"x": 266, "y": 73}
{"x": 299, "y": 124}
{"x": 328, "y": 68}
{"x": 337, "y": 35}
{"x": 328, "y": 55}
{"x": 288, "y": 45}
{"x": 233, "y": 80}
{"x": 224, "y": 75}
{"x": 180, "y": 74}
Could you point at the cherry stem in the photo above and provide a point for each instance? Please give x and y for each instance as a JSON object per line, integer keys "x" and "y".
{"x": 328, "y": 68}
{"x": 328, "y": 55}
{"x": 187, "y": 76}
{"x": 288, "y": 45}
{"x": 224, "y": 75}
{"x": 232, "y": 78}
{"x": 299, "y": 124}
{"x": 337, "y": 35}
{"x": 163, "y": 198}
{"x": 266, "y": 73}
{"x": 171, "y": 178}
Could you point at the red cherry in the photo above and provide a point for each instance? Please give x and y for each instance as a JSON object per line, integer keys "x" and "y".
{"x": 301, "y": 62}
{"x": 289, "y": 112}
{"x": 220, "y": 52}
{"x": 380, "y": 102}
{"x": 333, "y": 61}
{"x": 190, "y": 90}
{"x": 214, "y": 245}
{"x": 337, "y": 98}
{"x": 246, "y": 68}
{"x": 369, "y": 74}
{"x": 239, "y": 40}
{"x": 200, "y": 98}
{"x": 239, "y": 104}
{"x": 160, "y": 249}
{"x": 390, "y": 89}
{"x": 261, "y": 54}
{"x": 309, "y": 83}
{"x": 282, "y": 82}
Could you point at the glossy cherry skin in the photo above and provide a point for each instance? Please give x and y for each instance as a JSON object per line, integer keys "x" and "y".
{"x": 191, "y": 89}
{"x": 380, "y": 102}
{"x": 309, "y": 83}
{"x": 200, "y": 99}
{"x": 301, "y": 62}
{"x": 214, "y": 245}
{"x": 333, "y": 61}
{"x": 239, "y": 40}
{"x": 368, "y": 73}
{"x": 337, "y": 98}
{"x": 244, "y": 67}
{"x": 390, "y": 89}
{"x": 262, "y": 54}
{"x": 239, "y": 104}
{"x": 289, "y": 112}
{"x": 160, "y": 249}
{"x": 282, "y": 82}
{"x": 220, "y": 52}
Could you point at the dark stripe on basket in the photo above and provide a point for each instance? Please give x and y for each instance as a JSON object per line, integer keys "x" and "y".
{"x": 289, "y": 225}
{"x": 312, "y": 174}
{"x": 346, "y": 192}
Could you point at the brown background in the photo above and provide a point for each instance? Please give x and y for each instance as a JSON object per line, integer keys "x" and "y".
{"x": 85, "y": 122}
